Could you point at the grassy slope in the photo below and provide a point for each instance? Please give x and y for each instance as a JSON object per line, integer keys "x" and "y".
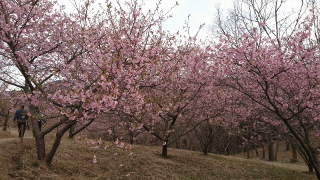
{"x": 73, "y": 161}
{"x": 283, "y": 155}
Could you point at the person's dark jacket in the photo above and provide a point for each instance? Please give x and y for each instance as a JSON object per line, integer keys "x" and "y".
{"x": 20, "y": 115}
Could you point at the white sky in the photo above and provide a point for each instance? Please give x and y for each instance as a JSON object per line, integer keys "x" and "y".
{"x": 201, "y": 11}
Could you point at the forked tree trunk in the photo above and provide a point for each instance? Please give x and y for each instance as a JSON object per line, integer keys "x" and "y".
{"x": 39, "y": 138}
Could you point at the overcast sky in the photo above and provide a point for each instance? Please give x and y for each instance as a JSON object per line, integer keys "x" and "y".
{"x": 201, "y": 11}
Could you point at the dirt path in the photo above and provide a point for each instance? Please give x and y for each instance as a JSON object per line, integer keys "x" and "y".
{"x": 14, "y": 132}
{"x": 284, "y": 165}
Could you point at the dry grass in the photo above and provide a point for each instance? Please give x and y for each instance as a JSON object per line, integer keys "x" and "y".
{"x": 283, "y": 156}
{"x": 73, "y": 161}
{"x": 4, "y": 135}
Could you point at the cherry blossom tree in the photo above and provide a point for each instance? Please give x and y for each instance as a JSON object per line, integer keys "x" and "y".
{"x": 83, "y": 64}
{"x": 278, "y": 74}
{"x": 33, "y": 34}
{"x": 176, "y": 90}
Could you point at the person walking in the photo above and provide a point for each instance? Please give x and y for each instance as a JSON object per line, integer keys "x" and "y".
{"x": 21, "y": 117}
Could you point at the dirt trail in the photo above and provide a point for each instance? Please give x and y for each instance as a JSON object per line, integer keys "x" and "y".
{"x": 284, "y": 165}
{"x": 14, "y": 132}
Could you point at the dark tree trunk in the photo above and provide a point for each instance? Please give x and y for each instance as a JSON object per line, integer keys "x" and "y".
{"x": 205, "y": 150}
{"x": 227, "y": 151}
{"x": 257, "y": 153}
{"x": 263, "y": 152}
{"x": 271, "y": 154}
{"x": 310, "y": 168}
{"x": 316, "y": 167}
{"x": 131, "y": 139}
{"x": 71, "y": 130}
{"x": 287, "y": 145}
{"x": 165, "y": 151}
{"x": 294, "y": 154}
{"x": 248, "y": 152}
{"x": 276, "y": 155}
{"x": 310, "y": 152}
{"x": 57, "y": 142}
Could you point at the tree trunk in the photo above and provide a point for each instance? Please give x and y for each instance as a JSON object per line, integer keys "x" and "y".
{"x": 165, "y": 150}
{"x": 41, "y": 148}
{"x": 263, "y": 152}
{"x": 39, "y": 137}
{"x": 205, "y": 150}
{"x": 5, "y": 124}
{"x": 248, "y": 152}
{"x": 294, "y": 154}
{"x": 131, "y": 139}
{"x": 57, "y": 142}
{"x": 310, "y": 152}
{"x": 310, "y": 168}
{"x": 227, "y": 151}
{"x": 316, "y": 166}
{"x": 271, "y": 154}
{"x": 257, "y": 153}
{"x": 287, "y": 145}
{"x": 277, "y": 147}
{"x": 71, "y": 130}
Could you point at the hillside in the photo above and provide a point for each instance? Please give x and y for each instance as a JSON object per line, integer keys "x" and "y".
{"x": 73, "y": 161}
{"x": 283, "y": 158}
